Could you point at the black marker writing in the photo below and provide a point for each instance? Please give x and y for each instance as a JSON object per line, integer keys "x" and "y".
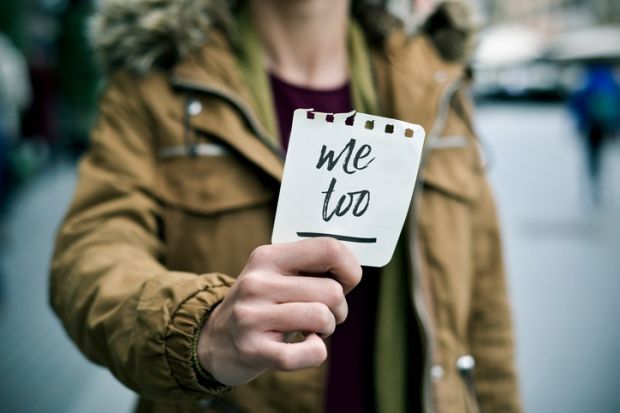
{"x": 360, "y": 200}
{"x": 332, "y": 160}
{"x": 355, "y": 201}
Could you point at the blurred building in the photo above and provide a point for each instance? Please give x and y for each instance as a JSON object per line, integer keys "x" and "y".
{"x": 551, "y": 15}
{"x": 550, "y": 42}
{"x": 51, "y": 35}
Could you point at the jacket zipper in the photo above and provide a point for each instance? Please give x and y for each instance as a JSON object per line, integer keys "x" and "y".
{"x": 241, "y": 108}
{"x": 420, "y": 308}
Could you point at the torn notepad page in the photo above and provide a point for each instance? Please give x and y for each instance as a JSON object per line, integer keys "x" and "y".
{"x": 351, "y": 177}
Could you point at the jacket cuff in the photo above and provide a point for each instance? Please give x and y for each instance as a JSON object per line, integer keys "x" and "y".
{"x": 181, "y": 338}
{"x": 205, "y": 379}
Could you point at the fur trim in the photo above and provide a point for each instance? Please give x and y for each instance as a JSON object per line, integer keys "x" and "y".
{"x": 140, "y": 35}
{"x": 452, "y": 27}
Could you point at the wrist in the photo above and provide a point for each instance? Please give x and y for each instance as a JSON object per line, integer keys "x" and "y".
{"x": 200, "y": 364}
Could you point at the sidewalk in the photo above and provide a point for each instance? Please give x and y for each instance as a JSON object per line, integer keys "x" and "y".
{"x": 563, "y": 258}
{"x": 42, "y": 369}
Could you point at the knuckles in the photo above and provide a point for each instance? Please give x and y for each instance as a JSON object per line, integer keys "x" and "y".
{"x": 251, "y": 285}
{"x": 321, "y": 318}
{"x": 331, "y": 249}
{"x": 244, "y": 316}
{"x": 262, "y": 255}
{"x": 320, "y": 354}
{"x": 285, "y": 361}
{"x": 338, "y": 255}
{"x": 312, "y": 357}
{"x": 248, "y": 351}
{"x": 333, "y": 292}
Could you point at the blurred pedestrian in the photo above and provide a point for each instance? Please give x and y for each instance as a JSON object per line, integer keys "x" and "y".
{"x": 597, "y": 109}
{"x": 163, "y": 269}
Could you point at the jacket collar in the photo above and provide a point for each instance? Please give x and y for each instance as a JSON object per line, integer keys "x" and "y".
{"x": 412, "y": 79}
{"x": 214, "y": 72}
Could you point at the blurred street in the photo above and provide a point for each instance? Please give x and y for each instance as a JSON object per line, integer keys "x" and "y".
{"x": 43, "y": 371}
{"x": 562, "y": 255}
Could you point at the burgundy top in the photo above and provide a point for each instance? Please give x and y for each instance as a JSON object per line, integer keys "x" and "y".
{"x": 289, "y": 97}
{"x": 349, "y": 383}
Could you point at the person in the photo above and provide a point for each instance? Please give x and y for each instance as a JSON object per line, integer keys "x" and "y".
{"x": 163, "y": 271}
{"x": 596, "y": 107}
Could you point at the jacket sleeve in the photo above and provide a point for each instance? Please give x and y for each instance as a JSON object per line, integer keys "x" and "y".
{"x": 122, "y": 308}
{"x": 491, "y": 331}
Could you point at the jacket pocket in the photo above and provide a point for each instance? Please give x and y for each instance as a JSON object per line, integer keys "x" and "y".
{"x": 212, "y": 182}
{"x": 217, "y": 209}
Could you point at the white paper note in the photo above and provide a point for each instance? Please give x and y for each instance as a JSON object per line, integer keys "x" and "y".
{"x": 349, "y": 182}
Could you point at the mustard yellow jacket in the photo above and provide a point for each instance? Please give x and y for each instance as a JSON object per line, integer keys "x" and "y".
{"x": 179, "y": 187}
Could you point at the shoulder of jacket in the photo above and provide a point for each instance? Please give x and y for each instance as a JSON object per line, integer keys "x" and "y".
{"x": 123, "y": 90}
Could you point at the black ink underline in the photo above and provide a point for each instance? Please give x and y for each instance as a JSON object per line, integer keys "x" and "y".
{"x": 338, "y": 237}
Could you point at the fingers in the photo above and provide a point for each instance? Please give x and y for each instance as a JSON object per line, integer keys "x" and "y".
{"x": 296, "y": 287}
{"x": 311, "y": 352}
{"x": 288, "y": 317}
{"x": 277, "y": 288}
{"x": 303, "y": 317}
{"x": 283, "y": 289}
{"x": 259, "y": 342}
{"x": 290, "y": 289}
{"x": 315, "y": 256}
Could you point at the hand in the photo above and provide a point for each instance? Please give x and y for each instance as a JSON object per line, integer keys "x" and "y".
{"x": 295, "y": 287}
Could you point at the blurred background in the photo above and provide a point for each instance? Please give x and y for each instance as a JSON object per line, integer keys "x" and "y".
{"x": 546, "y": 86}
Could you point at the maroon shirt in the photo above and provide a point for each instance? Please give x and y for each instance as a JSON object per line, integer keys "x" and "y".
{"x": 349, "y": 384}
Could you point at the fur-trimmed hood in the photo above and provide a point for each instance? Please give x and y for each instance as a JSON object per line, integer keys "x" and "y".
{"x": 140, "y": 35}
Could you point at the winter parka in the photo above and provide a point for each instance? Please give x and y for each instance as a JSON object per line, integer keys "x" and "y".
{"x": 179, "y": 187}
